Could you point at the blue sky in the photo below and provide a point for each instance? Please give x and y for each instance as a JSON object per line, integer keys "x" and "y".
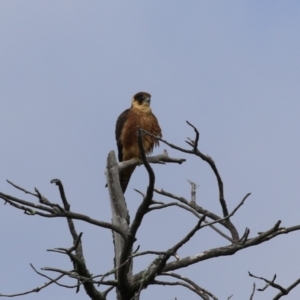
{"x": 69, "y": 68}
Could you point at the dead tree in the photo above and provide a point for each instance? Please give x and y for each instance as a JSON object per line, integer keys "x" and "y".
{"x": 127, "y": 285}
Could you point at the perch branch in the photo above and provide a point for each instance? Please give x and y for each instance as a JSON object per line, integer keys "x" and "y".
{"x": 157, "y": 159}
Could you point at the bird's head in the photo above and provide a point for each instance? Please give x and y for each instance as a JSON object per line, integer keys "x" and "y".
{"x": 141, "y": 99}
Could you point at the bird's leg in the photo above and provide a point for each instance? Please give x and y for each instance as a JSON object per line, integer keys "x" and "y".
{"x": 139, "y": 161}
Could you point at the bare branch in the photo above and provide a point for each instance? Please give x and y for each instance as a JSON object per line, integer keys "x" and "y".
{"x": 192, "y": 283}
{"x": 195, "y": 214}
{"x": 127, "y": 285}
{"x": 179, "y": 283}
{"x": 188, "y": 236}
{"x": 80, "y": 269}
{"x": 122, "y": 264}
{"x": 193, "y": 208}
{"x": 35, "y": 290}
{"x": 83, "y": 279}
{"x": 194, "y": 186}
{"x": 287, "y": 290}
{"x": 147, "y": 276}
{"x": 21, "y": 189}
{"x": 105, "y": 293}
{"x": 206, "y": 158}
{"x": 11, "y": 199}
{"x": 253, "y": 291}
{"x": 223, "y": 251}
{"x": 76, "y": 238}
{"x": 161, "y": 206}
{"x": 45, "y": 201}
{"x": 141, "y": 211}
{"x": 197, "y": 136}
{"x": 169, "y": 144}
{"x": 62, "y": 193}
{"x": 157, "y": 159}
{"x": 223, "y": 221}
{"x": 283, "y": 291}
{"x": 55, "y": 213}
{"x": 143, "y": 208}
{"x": 51, "y": 279}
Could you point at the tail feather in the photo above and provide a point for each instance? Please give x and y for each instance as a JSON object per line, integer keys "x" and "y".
{"x": 125, "y": 177}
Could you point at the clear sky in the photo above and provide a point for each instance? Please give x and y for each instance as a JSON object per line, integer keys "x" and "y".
{"x": 69, "y": 68}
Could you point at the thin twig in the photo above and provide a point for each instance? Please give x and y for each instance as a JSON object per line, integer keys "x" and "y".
{"x": 283, "y": 291}
{"x": 21, "y": 189}
{"x": 192, "y": 283}
{"x": 55, "y": 213}
{"x": 209, "y": 214}
{"x": 178, "y": 283}
{"x": 35, "y": 290}
{"x": 194, "y": 186}
{"x": 253, "y": 291}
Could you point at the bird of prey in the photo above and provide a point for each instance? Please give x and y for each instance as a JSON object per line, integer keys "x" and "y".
{"x": 139, "y": 114}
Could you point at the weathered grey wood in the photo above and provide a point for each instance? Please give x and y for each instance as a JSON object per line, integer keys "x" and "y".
{"x": 120, "y": 215}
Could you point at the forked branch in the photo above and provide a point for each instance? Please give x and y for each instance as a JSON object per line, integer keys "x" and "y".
{"x": 283, "y": 291}
{"x": 206, "y": 158}
{"x": 53, "y": 210}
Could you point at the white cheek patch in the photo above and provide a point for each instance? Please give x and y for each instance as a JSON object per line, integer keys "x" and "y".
{"x": 147, "y": 104}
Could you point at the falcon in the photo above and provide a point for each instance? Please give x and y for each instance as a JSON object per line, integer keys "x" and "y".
{"x": 139, "y": 114}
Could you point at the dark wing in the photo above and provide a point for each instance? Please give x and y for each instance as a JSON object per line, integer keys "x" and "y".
{"x": 125, "y": 174}
{"x": 119, "y": 127}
